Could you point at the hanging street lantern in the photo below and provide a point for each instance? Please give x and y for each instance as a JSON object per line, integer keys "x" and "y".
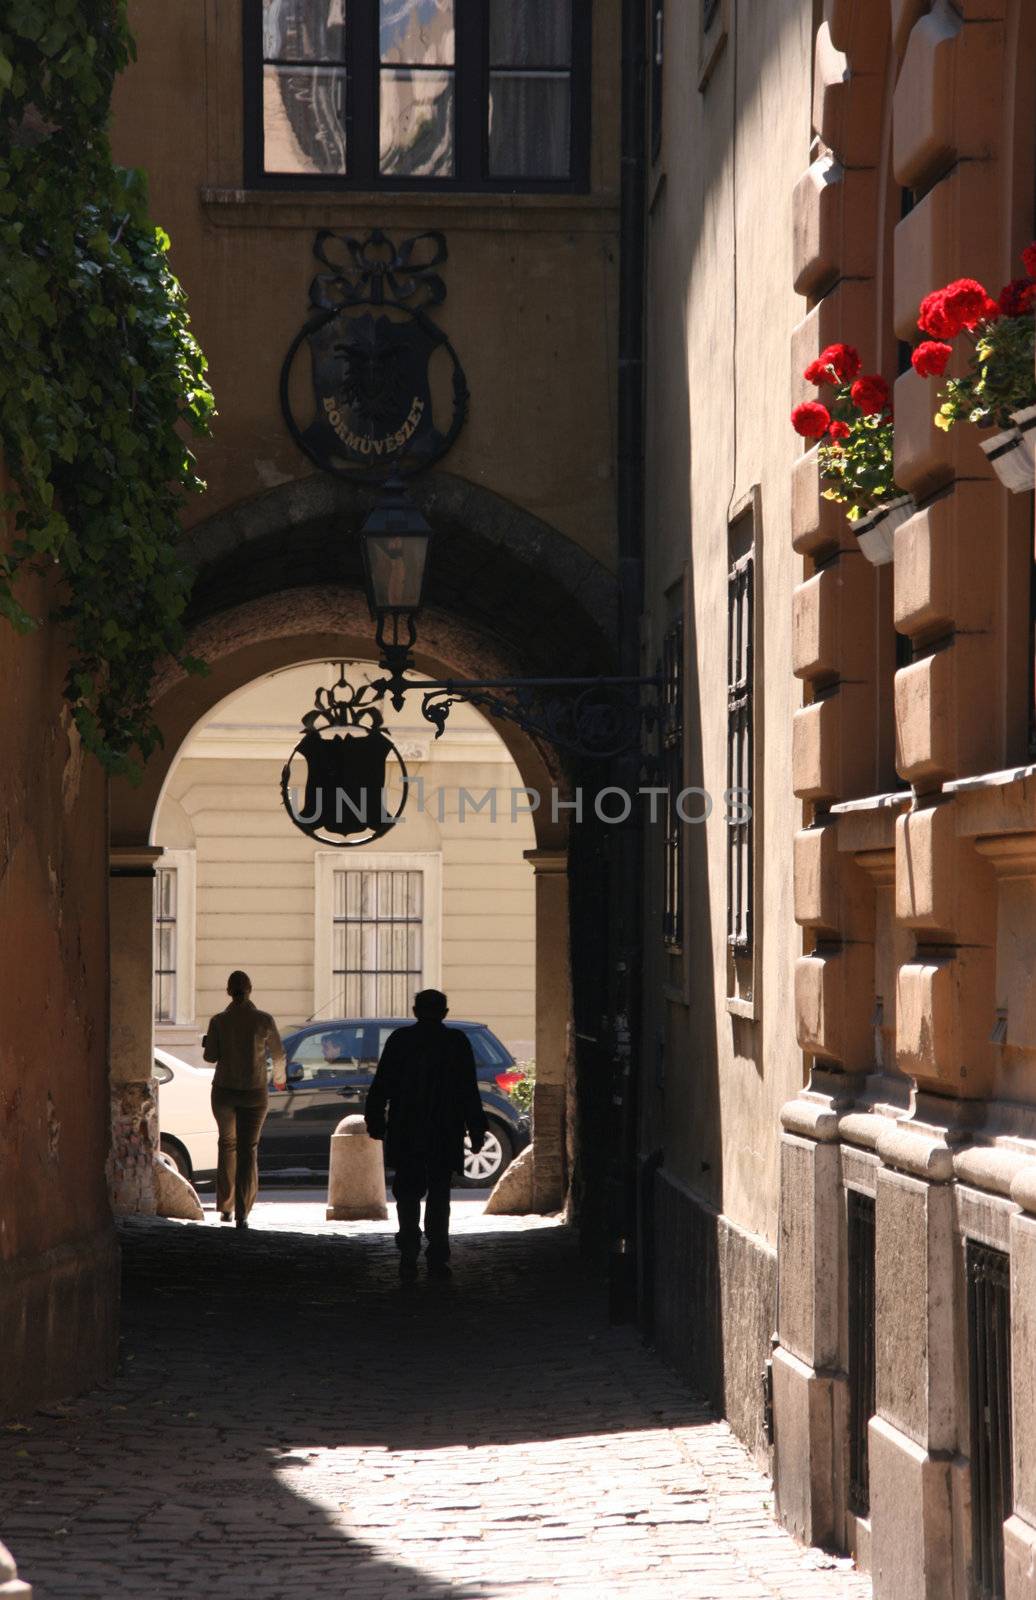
{"x": 394, "y": 542}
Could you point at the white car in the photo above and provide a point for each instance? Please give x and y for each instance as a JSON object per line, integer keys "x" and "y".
{"x": 187, "y": 1128}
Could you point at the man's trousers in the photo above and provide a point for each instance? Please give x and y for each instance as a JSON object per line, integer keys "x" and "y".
{"x": 239, "y": 1114}
{"x": 415, "y": 1178}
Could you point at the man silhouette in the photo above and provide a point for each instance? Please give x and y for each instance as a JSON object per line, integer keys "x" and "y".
{"x": 427, "y": 1082}
{"x": 240, "y": 1040}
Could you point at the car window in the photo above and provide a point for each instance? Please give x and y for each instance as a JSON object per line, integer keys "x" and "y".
{"x": 487, "y": 1052}
{"x": 328, "y": 1056}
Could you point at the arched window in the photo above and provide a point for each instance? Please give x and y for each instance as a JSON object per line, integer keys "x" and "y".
{"x": 405, "y": 94}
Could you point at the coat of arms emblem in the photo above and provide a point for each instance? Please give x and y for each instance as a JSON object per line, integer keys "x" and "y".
{"x": 345, "y": 782}
{"x": 379, "y": 366}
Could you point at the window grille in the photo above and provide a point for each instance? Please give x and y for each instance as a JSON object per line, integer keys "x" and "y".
{"x": 672, "y": 772}
{"x": 989, "y": 1367}
{"x": 657, "y": 60}
{"x": 740, "y": 674}
{"x": 472, "y": 94}
{"x": 165, "y": 944}
{"x": 377, "y": 952}
{"x": 861, "y": 1345}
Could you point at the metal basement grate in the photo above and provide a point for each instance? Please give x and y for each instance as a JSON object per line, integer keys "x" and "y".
{"x": 989, "y": 1366}
{"x": 861, "y": 1345}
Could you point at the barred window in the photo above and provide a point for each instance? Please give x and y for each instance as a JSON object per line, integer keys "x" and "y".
{"x": 657, "y": 59}
{"x": 672, "y": 773}
{"x": 740, "y": 687}
{"x": 377, "y": 952}
{"x": 165, "y": 944}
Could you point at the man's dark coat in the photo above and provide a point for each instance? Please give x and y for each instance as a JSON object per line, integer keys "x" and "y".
{"x": 426, "y": 1077}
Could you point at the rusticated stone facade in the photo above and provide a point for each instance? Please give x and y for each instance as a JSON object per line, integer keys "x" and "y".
{"x": 916, "y": 863}
{"x": 894, "y": 876}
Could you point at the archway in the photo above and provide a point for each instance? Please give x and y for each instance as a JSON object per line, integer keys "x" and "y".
{"x": 277, "y": 583}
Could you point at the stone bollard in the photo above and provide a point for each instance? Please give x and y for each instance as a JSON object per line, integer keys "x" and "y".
{"x": 10, "y": 1584}
{"x": 174, "y": 1196}
{"x": 515, "y": 1189}
{"x": 356, "y": 1177}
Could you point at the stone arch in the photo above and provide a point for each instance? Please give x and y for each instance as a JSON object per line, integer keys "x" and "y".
{"x": 550, "y": 603}
{"x": 278, "y": 582}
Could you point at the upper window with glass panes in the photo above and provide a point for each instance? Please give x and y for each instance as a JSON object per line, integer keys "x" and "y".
{"x": 461, "y": 94}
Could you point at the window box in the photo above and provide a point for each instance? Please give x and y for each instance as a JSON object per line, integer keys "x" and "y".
{"x": 1012, "y": 453}
{"x": 876, "y": 533}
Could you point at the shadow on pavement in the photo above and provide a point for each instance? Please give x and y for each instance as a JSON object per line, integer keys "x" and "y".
{"x": 272, "y": 1385}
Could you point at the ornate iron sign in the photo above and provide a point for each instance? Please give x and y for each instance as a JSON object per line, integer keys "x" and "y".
{"x": 373, "y": 353}
{"x": 337, "y": 783}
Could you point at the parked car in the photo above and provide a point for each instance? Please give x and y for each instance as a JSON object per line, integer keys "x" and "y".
{"x": 330, "y": 1066}
{"x": 187, "y": 1130}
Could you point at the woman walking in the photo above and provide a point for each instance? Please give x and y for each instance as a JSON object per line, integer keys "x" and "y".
{"x": 241, "y": 1040}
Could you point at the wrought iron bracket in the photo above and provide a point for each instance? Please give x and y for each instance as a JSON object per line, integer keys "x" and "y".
{"x": 596, "y": 717}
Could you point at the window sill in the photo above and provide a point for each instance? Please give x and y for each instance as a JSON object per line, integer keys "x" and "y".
{"x": 891, "y": 801}
{"x": 366, "y": 208}
{"x": 741, "y": 1008}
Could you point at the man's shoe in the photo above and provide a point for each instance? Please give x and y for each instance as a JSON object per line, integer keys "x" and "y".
{"x": 241, "y": 1222}
{"x": 407, "y": 1269}
{"x": 440, "y": 1269}
{"x": 226, "y": 1216}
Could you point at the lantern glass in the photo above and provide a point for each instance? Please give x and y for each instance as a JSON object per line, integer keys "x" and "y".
{"x": 395, "y": 570}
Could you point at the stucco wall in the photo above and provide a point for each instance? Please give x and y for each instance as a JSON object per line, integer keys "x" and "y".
{"x": 58, "y": 1263}
{"x": 720, "y": 308}
{"x": 531, "y": 280}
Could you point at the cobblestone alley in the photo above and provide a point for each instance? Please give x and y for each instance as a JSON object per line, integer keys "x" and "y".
{"x": 290, "y": 1421}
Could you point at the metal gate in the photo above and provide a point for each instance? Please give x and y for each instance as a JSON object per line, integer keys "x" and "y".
{"x": 989, "y": 1367}
{"x": 861, "y": 1345}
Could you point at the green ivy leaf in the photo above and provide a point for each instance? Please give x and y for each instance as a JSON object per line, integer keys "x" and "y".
{"x": 98, "y": 369}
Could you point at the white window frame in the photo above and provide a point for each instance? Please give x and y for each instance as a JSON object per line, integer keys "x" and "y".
{"x": 185, "y": 864}
{"x": 325, "y": 864}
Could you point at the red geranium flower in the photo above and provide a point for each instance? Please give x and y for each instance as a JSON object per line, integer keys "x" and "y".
{"x": 811, "y": 419}
{"x": 932, "y": 316}
{"x": 1029, "y": 259}
{"x": 962, "y": 304}
{"x": 871, "y": 394}
{"x": 1016, "y": 297}
{"x": 843, "y": 359}
{"x": 930, "y": 358}
{"x": 838, "y": 362}
{"x": 838, "y": 430}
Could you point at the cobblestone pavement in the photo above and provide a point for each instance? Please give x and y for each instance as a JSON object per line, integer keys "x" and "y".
{"x": 289, "y": 1420}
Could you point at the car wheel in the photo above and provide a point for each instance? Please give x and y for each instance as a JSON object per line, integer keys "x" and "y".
{"x": 481, "y": 1171}
{"x": 177, "y": 1155}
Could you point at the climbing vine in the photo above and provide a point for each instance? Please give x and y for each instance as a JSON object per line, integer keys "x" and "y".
{"x": 100, "y": 377}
